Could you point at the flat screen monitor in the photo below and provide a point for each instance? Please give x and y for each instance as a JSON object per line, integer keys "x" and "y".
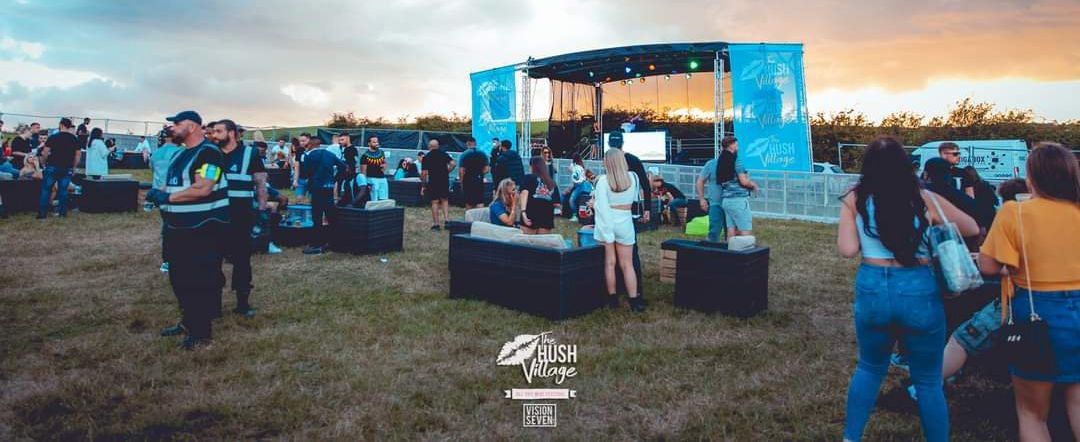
{"x": 647, "y": 146}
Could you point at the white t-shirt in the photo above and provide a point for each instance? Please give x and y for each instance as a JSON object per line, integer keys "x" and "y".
{"x": 336, "y": 150}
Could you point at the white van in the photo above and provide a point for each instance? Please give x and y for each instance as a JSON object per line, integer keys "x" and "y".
{"x": 995, "y": 160}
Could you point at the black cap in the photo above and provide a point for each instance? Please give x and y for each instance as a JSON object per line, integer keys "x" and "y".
{"x": 186, "y": 115}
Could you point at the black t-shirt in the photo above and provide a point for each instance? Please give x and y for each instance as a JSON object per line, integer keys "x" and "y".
{"x": 474, "y": 163}
{"x": 350, "y": 153}
{"x": 375, "y": 163}
{"x": 674, "y": 191}
{"x": 62, "y": 147}
{"x": 635, "y": 166}
{"x": 19, "y": 145}
{"x": 255, "y": 164}
{"x": 435, "y": 164}
{"x": 537, "y": 189}
{"x": 960, "y": 181}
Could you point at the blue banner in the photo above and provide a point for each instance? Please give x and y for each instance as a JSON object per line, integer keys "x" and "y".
{"x": 494, "y": 107}
{"x": 769, "y": 94}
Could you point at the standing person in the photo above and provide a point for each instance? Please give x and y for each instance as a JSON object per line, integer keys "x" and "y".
{"x": 143, "y": 148}
{"x": 247, "y": 191}
{"x": 373, "y": 167}
{"x": 616, "y": 191}
{"x": 321, "y": 167}
{"x": 300, "y": 180}
{"x": 350, "y": 154}
{"x": 950, "y": 152}
{"x": 419, "y": 161}
{"x": 884, "y": 218}
{"x": 732, "y": 176}
{"x": 986, "y": 200}
{"x": 61, "y": 154}
{"x": 435, "y": 174}
{"x": 712, "y": 201}
{"x": 635, "y": 166}
{"x": 97, "y": 155}
{"x": 160, "y": 161}
{"x": 536, "y": 197}
{"x": 474, "y": 165}
{"x": 508, "y": 165}
{"x": 337, "y": 148}
{"x": 545, "y": 153}
{"x": 83, "y": 133}
{"x": 1038, "y": 242}
{"x": 195, "y": 205}
{"x": 938, "y": 178}
{"x": 495, "y": 150}
{"x": 35, "y": 135}
{"x": 503, "y": 210}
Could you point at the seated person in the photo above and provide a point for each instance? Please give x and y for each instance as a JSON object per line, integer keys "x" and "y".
{"x": 671, "y": 198}
{"x": 504, "y": 206}
{"x": 31, "y": 169}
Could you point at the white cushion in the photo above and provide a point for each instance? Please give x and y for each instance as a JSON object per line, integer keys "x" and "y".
{"x": 493, "y": 232}
{"x": 744, "y": 242}
{"x": 481, "y": 214}
{"x": 549, "y": 240}
{"x": 381, "y": 204}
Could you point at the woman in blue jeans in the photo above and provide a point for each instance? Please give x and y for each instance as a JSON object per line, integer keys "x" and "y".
{"x": 884, "y": 218}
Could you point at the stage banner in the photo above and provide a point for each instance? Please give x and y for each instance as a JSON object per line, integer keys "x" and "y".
{"x": 769, "y": 94}
{"x": 494, "y": 106}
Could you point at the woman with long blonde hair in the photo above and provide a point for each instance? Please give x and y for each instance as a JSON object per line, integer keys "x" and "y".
{"x": 616, "y": 191}
{"x": 503, "y": 209}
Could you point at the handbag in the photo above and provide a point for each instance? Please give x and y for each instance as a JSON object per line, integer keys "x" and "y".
{"x": 951, "y": 258}
{"x": 637, "y": 209}
{"x": 1026, "y": 343}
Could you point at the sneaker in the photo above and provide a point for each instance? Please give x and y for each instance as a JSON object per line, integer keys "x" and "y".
{"x": 637, "y": 305}
{"x": 573, "y": 219}
{"x": 899, "y": 361}
{"x": 613, "y": 301}
{"x": 164, "y": 267}
{"x": 435, "y": 227}
{"x": 175, "y": 330}
{"x": 313, "y": 250}
{"x": 247, "y": 313}
{"x": 273, "y": 249}
{"x": 192, "y": 343}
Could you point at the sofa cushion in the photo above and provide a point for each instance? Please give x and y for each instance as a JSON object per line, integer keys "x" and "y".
{"x": 383, "y": 204}
{"x": 493, "y": 232}
{"x": 550, "y": 240}
{"x": 481, "y": 214}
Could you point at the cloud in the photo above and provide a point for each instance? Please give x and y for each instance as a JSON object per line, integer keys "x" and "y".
{"x": 22, "y": 48}
{"x": 266, "y": 64}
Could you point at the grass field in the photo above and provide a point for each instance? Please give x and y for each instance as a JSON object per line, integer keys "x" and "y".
{"x": 348, "y": 347}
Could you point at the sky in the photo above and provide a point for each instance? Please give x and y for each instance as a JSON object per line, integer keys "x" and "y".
{"x": 286, "y": 63}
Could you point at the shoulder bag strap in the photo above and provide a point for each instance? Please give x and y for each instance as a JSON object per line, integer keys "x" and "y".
{"x": 1027, "y": 264}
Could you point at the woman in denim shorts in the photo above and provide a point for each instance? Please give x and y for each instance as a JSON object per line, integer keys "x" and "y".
{"x": 1039, "y": 241}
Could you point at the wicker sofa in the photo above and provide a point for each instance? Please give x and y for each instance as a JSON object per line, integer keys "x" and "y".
{"x": 554, "y": 283}
{"x": 369, "y": 230}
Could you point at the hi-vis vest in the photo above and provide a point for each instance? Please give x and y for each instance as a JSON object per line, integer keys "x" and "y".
{"x": 193, "y": 214}
{"x": 241, "y": 185}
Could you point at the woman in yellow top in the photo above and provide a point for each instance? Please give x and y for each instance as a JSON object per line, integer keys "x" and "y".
{"x": 1051, "y": 237}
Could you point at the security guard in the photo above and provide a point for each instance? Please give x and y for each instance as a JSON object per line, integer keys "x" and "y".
{"x": 195, "y": 205}
{"x": 245, "y": 172}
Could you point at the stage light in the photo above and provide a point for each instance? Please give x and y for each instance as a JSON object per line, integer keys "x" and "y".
{"x": 592, "y": 74}
{"x": 628, "y": 69}
{"x": 667, "y": 77}
{"x": 688, "y": 75}
{"x": 607, "y": 78}
{"x": 638, "y": 75}
{"x": 642, "y": 80}
{"x": 652, "y": 67}
{"x": 693, "y": 64}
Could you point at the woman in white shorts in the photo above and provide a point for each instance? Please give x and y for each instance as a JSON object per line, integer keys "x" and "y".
{"x": 613, "y": 197}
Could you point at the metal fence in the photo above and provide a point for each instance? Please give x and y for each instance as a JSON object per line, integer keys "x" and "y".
{"x": 785, "y": 195}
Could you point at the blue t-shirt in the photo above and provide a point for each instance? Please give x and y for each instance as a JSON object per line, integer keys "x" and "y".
{"x": 321, "y": 167}
{"x": 160, "y": 161}
{"x": 727, "y": 189}
{"x": 496, "y": 210}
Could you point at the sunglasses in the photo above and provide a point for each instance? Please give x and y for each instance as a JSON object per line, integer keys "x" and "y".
{"x": 955, "y": 154}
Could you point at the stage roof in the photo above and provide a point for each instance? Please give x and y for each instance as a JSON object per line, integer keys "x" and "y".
{"x": 607, "y": 65}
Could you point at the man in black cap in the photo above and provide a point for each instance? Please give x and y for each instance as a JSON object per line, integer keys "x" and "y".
{"x": 635, "y": 166}
{"x": 246, "y": 175}
{"x": 195, "y": 206}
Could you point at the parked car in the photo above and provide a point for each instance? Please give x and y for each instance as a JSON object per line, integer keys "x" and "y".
{"x": 995, "y": 160}
{"x": 828, "y": 168}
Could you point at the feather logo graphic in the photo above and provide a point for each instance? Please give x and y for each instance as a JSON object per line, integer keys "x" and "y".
{"x": 519, "y": 350}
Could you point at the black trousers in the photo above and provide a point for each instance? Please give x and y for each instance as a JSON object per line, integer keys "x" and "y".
{"x": 322, "y": 205}
{"x": 195, "y": 274}
{"x": 238, "y": 249}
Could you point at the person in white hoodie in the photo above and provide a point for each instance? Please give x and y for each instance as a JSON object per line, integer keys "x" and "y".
{"x": 97, "y": 155}
{"x": 613, "y": 199}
